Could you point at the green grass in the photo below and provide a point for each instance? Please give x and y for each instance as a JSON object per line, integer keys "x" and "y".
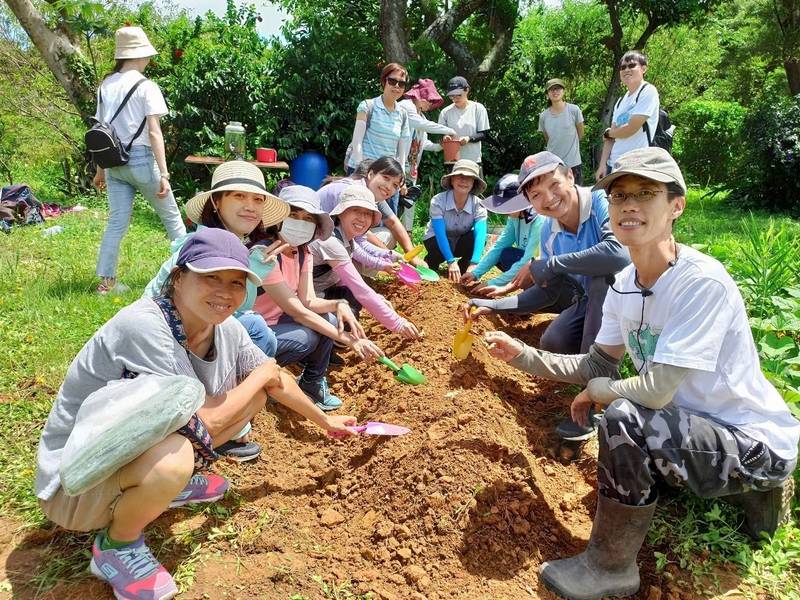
{"x": 49, "y": 310}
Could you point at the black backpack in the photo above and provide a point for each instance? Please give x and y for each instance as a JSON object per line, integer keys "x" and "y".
{"x": 102, "y": 142}
{"x": 665, "y": 131}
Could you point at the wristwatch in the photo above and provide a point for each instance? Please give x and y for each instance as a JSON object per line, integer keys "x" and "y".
{"x": 607, "y": 133}
{"x": 165, "y": 176}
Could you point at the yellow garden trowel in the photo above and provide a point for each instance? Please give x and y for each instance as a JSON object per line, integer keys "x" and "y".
{"x": 413, "y": 253}
{"x": 462, "y": 343}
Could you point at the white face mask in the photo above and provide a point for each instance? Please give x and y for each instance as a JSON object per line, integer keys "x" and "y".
{"x": 297, "y": 232}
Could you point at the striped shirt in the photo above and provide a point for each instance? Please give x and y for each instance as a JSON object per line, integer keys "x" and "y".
{"x": 386, "y": 128}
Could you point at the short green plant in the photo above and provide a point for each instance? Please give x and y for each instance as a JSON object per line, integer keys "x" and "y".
{"x": 339, "y": 591}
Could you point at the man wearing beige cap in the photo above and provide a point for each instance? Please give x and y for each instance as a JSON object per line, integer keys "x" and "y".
{"x": 699, "y": 412}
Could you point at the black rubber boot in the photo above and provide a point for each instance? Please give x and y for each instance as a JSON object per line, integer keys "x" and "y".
{"x": 608, "y": 565}
{"x": 765, "y": 511}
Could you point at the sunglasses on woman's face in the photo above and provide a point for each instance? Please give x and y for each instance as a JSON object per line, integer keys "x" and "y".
{"x": 396, "y": 82}
{"x": 628, "y": 66}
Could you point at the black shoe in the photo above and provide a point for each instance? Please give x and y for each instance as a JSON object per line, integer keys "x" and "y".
{"x": 570, "y": 431}
{"x": 239, "y": 451}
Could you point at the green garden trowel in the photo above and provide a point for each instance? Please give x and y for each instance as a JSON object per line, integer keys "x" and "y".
{"x": 405, "y": 374}
{"x": 427, "y": 274}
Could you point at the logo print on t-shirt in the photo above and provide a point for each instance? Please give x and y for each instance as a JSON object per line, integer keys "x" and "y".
{"x": 643, "y": 348}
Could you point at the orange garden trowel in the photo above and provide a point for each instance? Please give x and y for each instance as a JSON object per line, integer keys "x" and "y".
{"x": 462, "y": 343}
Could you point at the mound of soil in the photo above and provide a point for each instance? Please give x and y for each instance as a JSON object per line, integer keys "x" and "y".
{"x": 466, "y": 506}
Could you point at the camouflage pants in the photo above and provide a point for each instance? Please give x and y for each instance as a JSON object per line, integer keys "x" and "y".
{"x": 639, "y": 446}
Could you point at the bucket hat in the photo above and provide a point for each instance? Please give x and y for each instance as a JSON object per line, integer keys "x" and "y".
{"x": 505, "y": 199}
{"x": 300, "y": 196}
{"x": 469, "y": 168}
{"x": 537, "y": 164}
{"x": 651, "y": 163}
{"x": 358, "y": 196}
{"x": 240, "y": 176}
{"x": 425, "y": 89}
{"x": 132, "y": 42}
{"x": 212, "y": 249}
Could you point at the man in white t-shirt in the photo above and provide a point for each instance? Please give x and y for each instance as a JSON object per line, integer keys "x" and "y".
{"x": 467, "y": 118}
{"x": 635, "y": 117}
{"x": 699, "y": 413}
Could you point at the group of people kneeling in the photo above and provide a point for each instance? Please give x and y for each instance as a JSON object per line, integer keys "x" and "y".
{"x": 265, "y": 282}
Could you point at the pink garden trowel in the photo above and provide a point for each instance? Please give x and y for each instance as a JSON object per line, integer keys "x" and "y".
{"x": 376, "y": 428}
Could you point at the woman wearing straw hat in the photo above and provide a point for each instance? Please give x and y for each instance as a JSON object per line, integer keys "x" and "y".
{"x": 515, "y": 247}
{"x": 561, "y": 125}
{"x": 239, "y": 202}
{"x": 334, "y": 273}
{"x": 457, "y": 230}
{"x": 146, "y": 171}
{"x": 307, "y": 326}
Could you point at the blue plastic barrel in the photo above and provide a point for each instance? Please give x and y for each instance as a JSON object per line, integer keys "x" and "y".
{"x": 309, "y": 169}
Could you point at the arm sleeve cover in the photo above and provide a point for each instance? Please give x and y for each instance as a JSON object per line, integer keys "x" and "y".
{"x": 441, "y": 238}
{"x": 363, "y": 256}
{"x": 369, "y": 299}
{"x": 492, "y": 257}
{"x": 480, "y": 240}
{"x": 569, "y": 368}
{"x": 653, "y": 389}
{"x": 606, "y": 257}
{"x": 478, "y": 137}
{"x": 419, "y": 122}
{"x": 359, "y": 131}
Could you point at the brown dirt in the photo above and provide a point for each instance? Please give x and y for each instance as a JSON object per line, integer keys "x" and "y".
{"x": 466, "y": 506}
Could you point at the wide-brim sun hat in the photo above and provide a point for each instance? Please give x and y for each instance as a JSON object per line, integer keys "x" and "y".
{"x": 651, "y": 163}
{"x": 505, "y": 199}
{"x": 469, "y": 168}
{"x": 239, "y": 176}
{"x": 358, "y": 196}
{"x": 132, "y": 42}
{"x": 537, "y": 164}
{"x": 212, "y": 249}
{"x": 425, "y": 89}
{"x": 300, "y": 196}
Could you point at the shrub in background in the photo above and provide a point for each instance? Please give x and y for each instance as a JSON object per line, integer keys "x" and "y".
{"x": 707, "y": 139}
{"x": 766, "y": 175}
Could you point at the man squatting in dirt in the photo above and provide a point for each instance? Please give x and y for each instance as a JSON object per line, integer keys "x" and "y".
{"x": 699, "y": 413}
{"x": 578, "y": 253}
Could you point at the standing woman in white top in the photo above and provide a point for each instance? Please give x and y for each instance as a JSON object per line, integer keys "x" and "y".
{"x": 562, "y": 127}
{"x": 469, "y": 119}
{"x": 146, "y": 170}
{"x": 635, "y": 117}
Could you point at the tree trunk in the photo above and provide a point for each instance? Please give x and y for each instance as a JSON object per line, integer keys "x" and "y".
{"x": 393, "y": 32}
{"x": 440, "y": 29}
{"x": 792, "y": 67}
{"x": 787, "y": 15}
{"x": 63, "y": 58}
